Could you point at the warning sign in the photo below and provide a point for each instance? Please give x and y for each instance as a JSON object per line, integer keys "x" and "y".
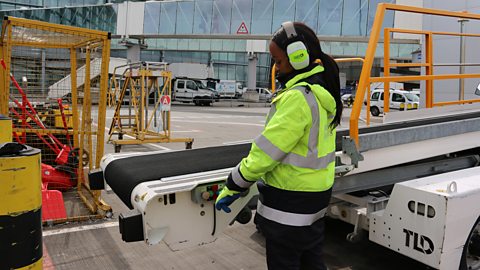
{"x": 242, "y": 29}
{"x": 165, "y": 103}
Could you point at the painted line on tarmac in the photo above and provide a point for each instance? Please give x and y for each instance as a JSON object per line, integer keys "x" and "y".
{"x": 227, "y": 123}
{"x": 186, "y": 131}
{"x": 81, "y": 228}
{"x": 237, "y": 142}
{"x": 150, "y": 144}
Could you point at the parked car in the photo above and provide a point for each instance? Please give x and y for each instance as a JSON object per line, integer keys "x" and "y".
{"x": 347, "y": 100}
{"x": 203, "y": 86}
{"x": 264, "y": 94}
{"x": 399, "y": 100}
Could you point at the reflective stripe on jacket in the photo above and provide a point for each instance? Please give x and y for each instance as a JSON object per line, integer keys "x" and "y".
{"x": 294, "y": 155}
{"x": 296, "y": 150}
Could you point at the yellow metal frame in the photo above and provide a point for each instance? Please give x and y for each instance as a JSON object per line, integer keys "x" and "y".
{"x": 82, "y": 124}
{"x": 139, "y": 79}
{"x": 365, "y": 76}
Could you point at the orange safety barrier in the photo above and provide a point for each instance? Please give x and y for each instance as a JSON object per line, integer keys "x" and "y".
{"x": 365, "y": 76}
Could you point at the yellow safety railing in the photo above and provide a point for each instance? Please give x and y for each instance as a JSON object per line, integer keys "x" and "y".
{"x": 365, "y": 76}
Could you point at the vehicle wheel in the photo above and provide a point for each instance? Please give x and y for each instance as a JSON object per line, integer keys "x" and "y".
{"x": 244, "y": 216}
{"x": 196, "y": 102}
{"x": 374, "y": 111}
{"x": 73, "y": 157}
{"x": 471, "y": 251}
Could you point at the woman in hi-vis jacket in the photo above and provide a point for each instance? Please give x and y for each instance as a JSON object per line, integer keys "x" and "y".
{"x": 293, "y": 159}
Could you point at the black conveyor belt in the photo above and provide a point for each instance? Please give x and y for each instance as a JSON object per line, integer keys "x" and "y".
{"x": 122, "y": 175}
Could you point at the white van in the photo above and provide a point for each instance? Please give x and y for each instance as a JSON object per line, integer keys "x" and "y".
{"x": 189, "y": 90}
{"x": 264, "y": 94}
{"x": 399, "y": 100}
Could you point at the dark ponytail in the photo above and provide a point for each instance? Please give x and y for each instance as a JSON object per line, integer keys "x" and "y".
{"x": 331, "y": 73}
{"x": 332, "y": 80}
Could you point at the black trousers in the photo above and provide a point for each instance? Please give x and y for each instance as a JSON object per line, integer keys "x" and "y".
{"x": 281, "y": 256}
{"x": 293, "y": 247}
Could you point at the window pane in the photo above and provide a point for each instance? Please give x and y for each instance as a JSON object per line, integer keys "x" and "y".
{"x": 306, "y": 11}
{"x": 283, "y": 10}
{"x": 241, "y": 74}
{"x": 168, "y": 17}
{"x": 50, "y": 3}
{"x": 194, "y": 44}
{"x": 184, "y": 17}
{"x": 7, "y": 6}
{"x": 241, "y": 12}
{"x": 203, "y": 17}
{"x": 222, "y": 14}
{"x": 262, "y": 17}
{"x": 182, "y": 44}
{"x": 355, "y": 15}
{"x": 240, "y": 58}
{"x": 330, "y": 17}
{"x": 205, "y": 44}
{"x": 216, "y": 45}
{"x": 387, "y": 21}
{"x": 231, "y": 72}
{"x": 191, "y": 85}
{"x": 240, "y": 45}
{"x": 228, "y": 44}
{"x": 151, "y": 20}
{"x": 222, "y": 72}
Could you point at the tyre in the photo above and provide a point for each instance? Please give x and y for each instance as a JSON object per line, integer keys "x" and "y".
{"x": 471, "y": 251}
{"x": 197, "y": 102}
{"x": 244, "y": 216}
{"x": 374, "y": 111}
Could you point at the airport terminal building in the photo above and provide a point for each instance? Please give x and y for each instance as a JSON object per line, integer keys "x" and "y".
{"x": 228, "y": 34}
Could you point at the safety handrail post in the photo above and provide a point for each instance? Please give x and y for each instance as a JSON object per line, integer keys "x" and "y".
{"x": 366, "y": 70}
{"x": 386, "y": 70}
{"x": 429, "y": 70}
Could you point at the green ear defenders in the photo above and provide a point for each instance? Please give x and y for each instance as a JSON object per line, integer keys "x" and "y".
{"x": 296, "y": 51}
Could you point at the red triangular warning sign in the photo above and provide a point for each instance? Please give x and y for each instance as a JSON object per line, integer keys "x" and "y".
{"x": 242, "y": 29}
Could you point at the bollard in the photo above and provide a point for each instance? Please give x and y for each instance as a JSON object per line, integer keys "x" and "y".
{"x": 20, "y": 207}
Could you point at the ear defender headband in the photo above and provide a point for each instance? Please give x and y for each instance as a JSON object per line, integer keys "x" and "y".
{"x": 296, "y": 51}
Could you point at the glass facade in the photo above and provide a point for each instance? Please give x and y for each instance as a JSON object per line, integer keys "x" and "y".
{"x": 326, "y": 17}
{"x": 102, "y": 17}
{"x": 17, "y": 4}
{"x": 218, "y": 17}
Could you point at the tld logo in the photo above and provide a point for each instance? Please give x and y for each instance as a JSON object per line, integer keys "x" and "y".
{"x": 419, "y": 242}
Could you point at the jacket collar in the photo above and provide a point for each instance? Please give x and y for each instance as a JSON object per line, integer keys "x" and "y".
{"x": 302, "y": 76}
{"x": 294, "y": 79}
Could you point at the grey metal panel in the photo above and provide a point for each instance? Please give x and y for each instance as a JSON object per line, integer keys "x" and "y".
{"x": 414, "y": 134}
{"x": 390, "y": 176}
